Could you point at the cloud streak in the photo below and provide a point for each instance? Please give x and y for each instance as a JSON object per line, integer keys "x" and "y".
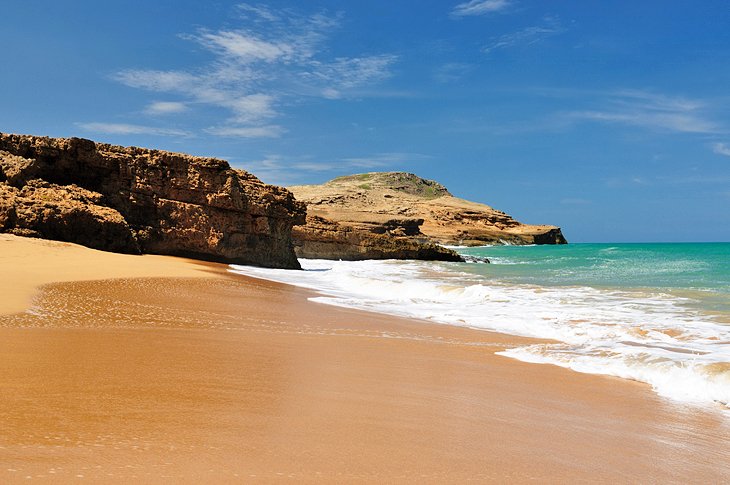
{"x": 651, "y": 111}
{"x": 526, "y": 37}
{"x": 266, "y": 131}
{"x": 281, "y": 170}
{"x": 721, "y": 149}
{"x": 275, "y": 58}
{"x": 480, "y": 7}
{"x": 130, "y": 129}
{"x": 451, "y": 72}
{"x": 165, "y": 108}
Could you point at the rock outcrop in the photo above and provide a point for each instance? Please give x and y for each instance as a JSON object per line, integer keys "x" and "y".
{"x": 136, "y": 200}
{"x": 422, "y": 210}
{"x": 325, "y": 239}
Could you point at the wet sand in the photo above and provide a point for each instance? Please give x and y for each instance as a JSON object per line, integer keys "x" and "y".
{"x": 226, "y": 379}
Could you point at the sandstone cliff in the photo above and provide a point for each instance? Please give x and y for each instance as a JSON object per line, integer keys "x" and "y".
{"x": 135, "y": 200}
{"x": 325, "y": 239}
{"x": 405, "y": 205}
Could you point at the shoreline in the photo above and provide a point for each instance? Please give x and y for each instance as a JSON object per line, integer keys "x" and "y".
{"x": 178, "y": 377}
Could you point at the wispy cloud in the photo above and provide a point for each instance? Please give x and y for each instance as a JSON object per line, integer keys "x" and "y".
{"x": 480, "y": 7}
{"x": 165, "y": 108}
{"x": 451, "y": 72}
{"x": 130, "y": 129}
{"x": 258, "y": 12}
{"x": 349, "y": 165}
{"x": 721, "y": 149}
{"x": 575, "y": 201}
{"x": 527, "y": 36}
{"x": 633, "y": 109}
{"x": 255, "y": 69}
{"x": 385, "y": 159}
{"x": 628, "y": 182}
{"x": 339, "y": 77}
{"x": 652, "y": 111}
{"x": 266, "y": 131}
{"x": 272, "y": 169}
{"x": 160, "y": 81}
{"x": 284, "y": 170}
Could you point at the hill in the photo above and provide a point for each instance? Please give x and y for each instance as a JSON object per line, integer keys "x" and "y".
{"x": 402, "y": 204}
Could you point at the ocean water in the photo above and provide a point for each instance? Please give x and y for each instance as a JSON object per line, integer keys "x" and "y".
{"x": 655, "y": 313}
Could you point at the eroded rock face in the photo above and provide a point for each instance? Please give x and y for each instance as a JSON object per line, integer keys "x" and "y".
{"x": 134, "y": 200}
{"x": 381, "y": 199}
{"x": 64, "y": 213}
{"x": 321, "y": 238}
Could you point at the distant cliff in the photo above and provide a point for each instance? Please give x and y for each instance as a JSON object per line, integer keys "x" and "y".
{"x": 321, "y": 238}
{"x": 136, "y": 200}
{"x": 408, "y": 207}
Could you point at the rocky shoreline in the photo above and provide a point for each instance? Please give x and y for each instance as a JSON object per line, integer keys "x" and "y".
{"x": 136, "y": 200}
{"x": 418, "y": 216}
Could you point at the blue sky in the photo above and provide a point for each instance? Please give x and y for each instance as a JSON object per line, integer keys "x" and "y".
{"x": 610, "y": 119}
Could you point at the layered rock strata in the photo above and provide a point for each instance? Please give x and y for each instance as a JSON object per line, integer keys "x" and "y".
{"x": 321, "y": 238}
{"x": 136, "y": 200}
{"x": 419, "y": 209}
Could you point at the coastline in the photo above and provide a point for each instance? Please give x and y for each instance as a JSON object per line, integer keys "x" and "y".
{"x": 178, "y": 371}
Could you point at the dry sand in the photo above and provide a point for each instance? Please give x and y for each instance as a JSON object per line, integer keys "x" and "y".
{"x": 27, "y": 263}
{"x": 228, "y": 379}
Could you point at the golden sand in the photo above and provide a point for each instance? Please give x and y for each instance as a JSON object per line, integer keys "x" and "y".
{"x": 226, "y": 379}
{"x": 27, "y": 263}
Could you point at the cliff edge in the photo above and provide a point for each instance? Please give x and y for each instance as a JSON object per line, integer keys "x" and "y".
{"x": 137, "y": 200}
{"x": 405, "y": 205}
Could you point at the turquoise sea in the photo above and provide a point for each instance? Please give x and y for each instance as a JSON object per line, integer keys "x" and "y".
{"x": 655, "y": 313}
{"x": 701, "y": 270}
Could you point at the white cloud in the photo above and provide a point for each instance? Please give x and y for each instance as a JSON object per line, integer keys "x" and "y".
{"x": 163, "y": 81}
{"x": 527, "y": 36}
{"x": 663, "y": 121}
{"x": 575, "y": 201}
{"x": 652, "y": 111}
{"x": 283, "y": 170}
{"x": 252, "y": 108}
{"x": 130, "y": 129}
{"x": 272, "y": 169}
{"x": 343, "y": 75}
{"x": 316, "y": 166}
{"x": 266, "y": 131}
{"x": 451, "y": 72}
{"x": 255, "y": 70}
{"x": 244, "y": 47}
{"x": 259, "y": 12}
{"x": 721, "y": 149}
{"x": 480, "y": 7}
{"x": 384, "y": 159}
{"x": 165, "y": 107}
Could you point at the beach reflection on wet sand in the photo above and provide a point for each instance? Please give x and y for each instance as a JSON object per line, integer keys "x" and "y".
{"x": 233, "y": 379}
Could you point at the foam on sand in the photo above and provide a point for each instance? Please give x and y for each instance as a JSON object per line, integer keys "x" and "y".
{"x": 647, "y": 336}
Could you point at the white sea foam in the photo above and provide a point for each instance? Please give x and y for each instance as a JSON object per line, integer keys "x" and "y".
{"x": 646, "y": 336}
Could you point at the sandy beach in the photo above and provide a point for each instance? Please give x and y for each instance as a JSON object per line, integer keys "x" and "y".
{"x": 160, "y": 369}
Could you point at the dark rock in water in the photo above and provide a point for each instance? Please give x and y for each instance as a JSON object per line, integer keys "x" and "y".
{"x": 321, "y": 238}
{"x": 133, "y": 200}
{"x": 475, "y": 259}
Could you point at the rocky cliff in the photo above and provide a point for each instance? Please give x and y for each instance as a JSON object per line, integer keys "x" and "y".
{"x": 407, "y": 206}
{"x": 322, "y": 238}
{"x": 136, "y": 200}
